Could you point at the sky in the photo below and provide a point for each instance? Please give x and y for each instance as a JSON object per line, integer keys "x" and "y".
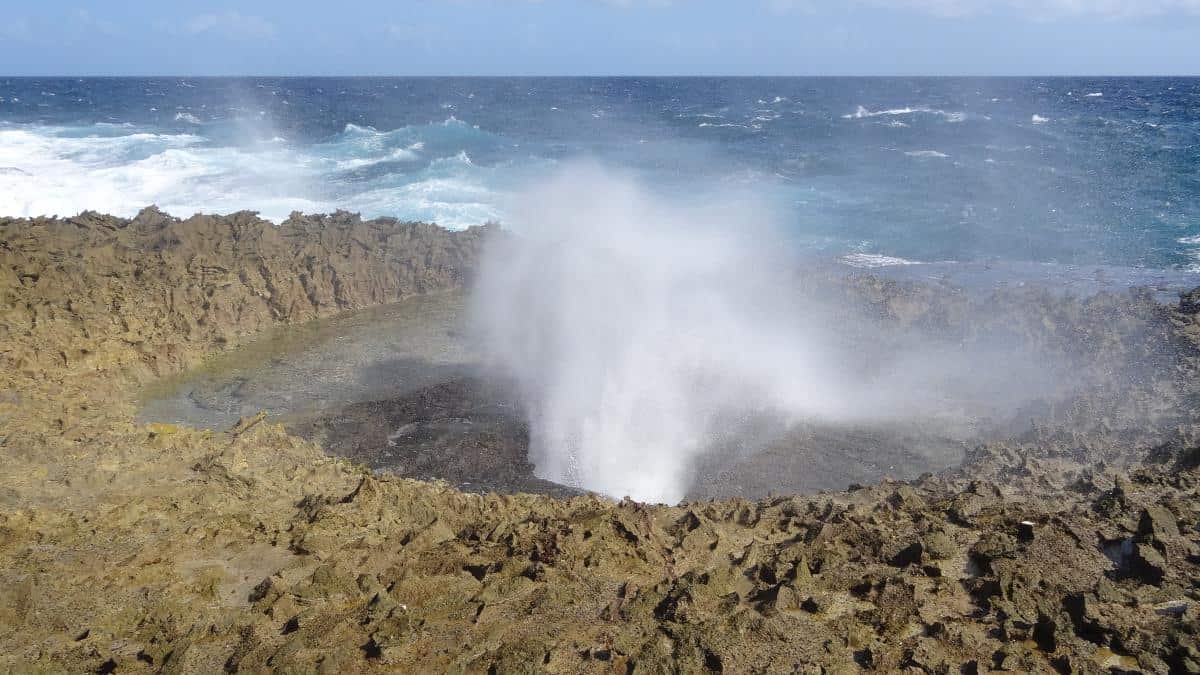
{"x": 601, "y": 37}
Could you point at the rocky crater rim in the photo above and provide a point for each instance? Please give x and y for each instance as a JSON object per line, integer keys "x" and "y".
{"x": 127, "y": 547}
{"x": 242, "y": 277}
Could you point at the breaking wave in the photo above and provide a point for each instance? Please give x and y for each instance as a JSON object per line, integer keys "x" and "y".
{"x": 863, "y": 113}
{"x": 874, "y": 260}
{"x": 927, "y": 154}
{"x": 424, "y": 172}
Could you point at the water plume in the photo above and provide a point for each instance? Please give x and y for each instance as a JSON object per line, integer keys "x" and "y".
{"x": 637, "y": 329}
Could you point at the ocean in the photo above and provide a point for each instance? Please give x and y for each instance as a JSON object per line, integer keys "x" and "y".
{"x": 1036, "y": 177}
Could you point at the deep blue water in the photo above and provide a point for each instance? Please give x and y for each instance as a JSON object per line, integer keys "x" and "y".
{"x": 1076, "y": 172}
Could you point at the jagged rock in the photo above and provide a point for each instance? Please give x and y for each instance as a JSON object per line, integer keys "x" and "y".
{"x": 904, "y": 497}
{"x": 1189, "y": 302}
{"x": 909, "y": 555}
{"x": 177, "y": 549}
{"x": 1157, "y": 524}
{"x": 938, "y": 545}
{"x": 1173, "y": 607}
{"x": 1147, "y": 564}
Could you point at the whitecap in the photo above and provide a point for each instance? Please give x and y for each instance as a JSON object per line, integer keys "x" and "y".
{"x": 873, "y": 260}
{"x": 1193, "y": 253}
{"x": 927, "y": 154}
{"x": 453, "y": 201}
{"x": 65, "y": 173}
{"x": 1097, "y": 94}
{"x": 863, "y": 113}
{"x": 187, "y": 117}
{"x": 1038, "y": 119}
{"x": 408, "y": 154}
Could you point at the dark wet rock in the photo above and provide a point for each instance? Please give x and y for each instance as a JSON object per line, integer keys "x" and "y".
{"x": 1147, "y": 565}
{"x": 1189, "y": 302}
{"x": 464, "y": 431}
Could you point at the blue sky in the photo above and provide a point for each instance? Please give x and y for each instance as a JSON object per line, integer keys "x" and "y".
{"x": 601, "y": 37}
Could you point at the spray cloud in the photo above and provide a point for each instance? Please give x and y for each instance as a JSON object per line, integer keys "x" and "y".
{"x": 636, "y": 329}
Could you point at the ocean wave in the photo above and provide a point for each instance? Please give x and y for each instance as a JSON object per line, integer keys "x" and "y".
{"x": 1193, "y": 253}
{"x": 451, "y": 127}
{"x": 352, "y": 129}
{"x": 450, "y": 201}
{"x": 863, "y": 113}
{"x": 873, "y": 260}
{"x": 64, "y": 171}
{"x": 408, "y": 154}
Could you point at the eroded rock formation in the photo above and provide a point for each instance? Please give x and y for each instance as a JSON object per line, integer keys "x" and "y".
{"x": 127, "y": 547}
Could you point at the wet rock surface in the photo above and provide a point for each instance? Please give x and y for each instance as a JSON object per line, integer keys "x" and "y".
{"x": 465, "y": 431}
{"x": 127, "y": 546}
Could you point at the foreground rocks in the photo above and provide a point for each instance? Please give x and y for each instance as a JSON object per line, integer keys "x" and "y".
{"x": 127, "y": 547}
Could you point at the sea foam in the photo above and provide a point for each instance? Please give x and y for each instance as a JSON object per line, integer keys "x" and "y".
{"x": 863, "y": 113}
{"x": 874, "y": 260}
{"x": 121, "y": 169}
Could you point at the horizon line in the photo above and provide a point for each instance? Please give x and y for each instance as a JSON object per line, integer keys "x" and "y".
{"x": 612, "y": 76}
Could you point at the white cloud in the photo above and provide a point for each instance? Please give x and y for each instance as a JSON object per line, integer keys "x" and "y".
{"x": 232, "y": 25}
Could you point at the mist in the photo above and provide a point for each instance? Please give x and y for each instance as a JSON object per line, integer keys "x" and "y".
{"x": 638, "y": 329}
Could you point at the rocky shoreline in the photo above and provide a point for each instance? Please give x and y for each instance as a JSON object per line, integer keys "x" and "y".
{"x": 1071, "y": 547}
